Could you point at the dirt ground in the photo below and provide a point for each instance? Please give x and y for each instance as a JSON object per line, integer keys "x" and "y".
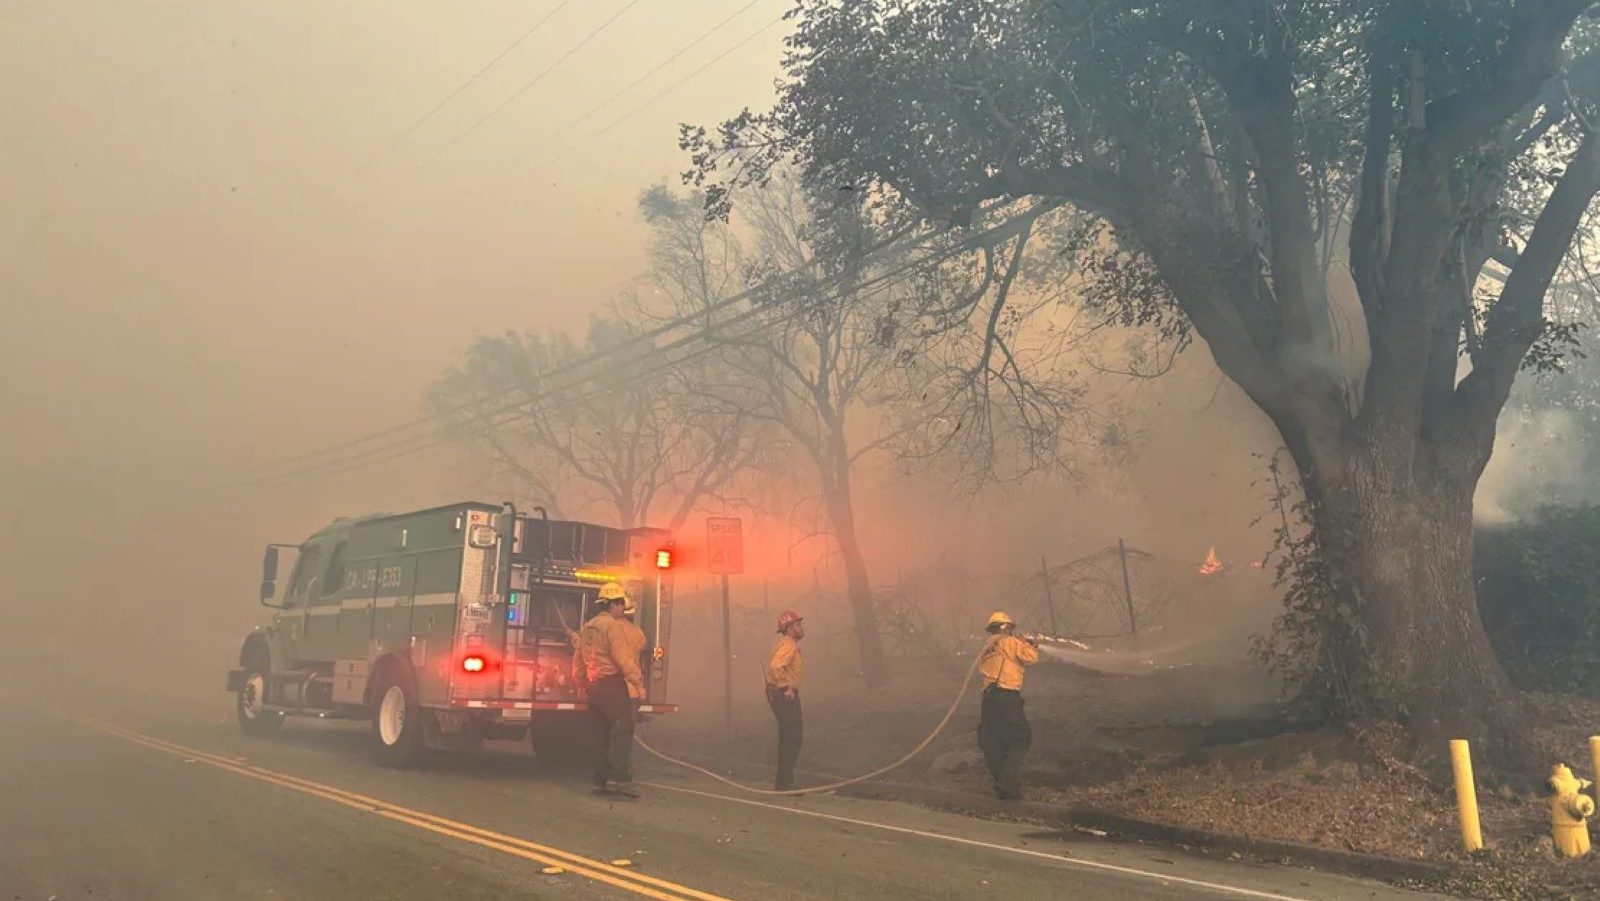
{"x": 1206, "y": 747}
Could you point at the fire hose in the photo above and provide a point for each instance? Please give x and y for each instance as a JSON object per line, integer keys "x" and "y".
{"x": 966, "y": 681}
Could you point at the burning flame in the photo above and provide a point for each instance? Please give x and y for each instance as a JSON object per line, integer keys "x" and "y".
{"x": 1212, "y": 566}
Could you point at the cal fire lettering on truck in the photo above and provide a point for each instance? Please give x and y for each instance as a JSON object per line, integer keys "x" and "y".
{"x": 391, "y": 577}
{"x": 363, "y": 579}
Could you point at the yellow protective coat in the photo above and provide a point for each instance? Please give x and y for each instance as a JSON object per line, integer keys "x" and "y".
{"x": 785, "y": 668}
{"x": 610, "y": 646}
{"x": 1001, "y": 661}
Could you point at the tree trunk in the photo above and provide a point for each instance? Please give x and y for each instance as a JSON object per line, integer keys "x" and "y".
{"x": 1397, "y": 542}
{"x": 858, "y": 587}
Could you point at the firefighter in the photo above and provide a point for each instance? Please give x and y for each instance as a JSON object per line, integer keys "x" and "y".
{"x": 616, "y": 685}
{"x": 784, "y": 671}
{"x": 1003, "y": 733}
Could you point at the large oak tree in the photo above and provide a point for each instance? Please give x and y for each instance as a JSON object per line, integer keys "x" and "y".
{"x": 1243, "y": 157}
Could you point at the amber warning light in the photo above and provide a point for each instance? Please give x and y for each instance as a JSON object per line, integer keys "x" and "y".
{"x": 664, "y": 559}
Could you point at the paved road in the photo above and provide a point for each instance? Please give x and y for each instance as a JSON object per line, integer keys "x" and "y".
{"x": 108, "y": 803}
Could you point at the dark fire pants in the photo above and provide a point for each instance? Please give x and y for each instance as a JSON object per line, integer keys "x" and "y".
{"x": 614, "y": 711}
{"x": 1004, "y": 737}
{"x": 787, "y": 712}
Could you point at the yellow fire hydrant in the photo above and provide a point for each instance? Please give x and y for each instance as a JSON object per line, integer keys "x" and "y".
{"x": 1570, "y": 810}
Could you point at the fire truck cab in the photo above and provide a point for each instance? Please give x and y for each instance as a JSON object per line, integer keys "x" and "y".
{"x": 447, "y": 626}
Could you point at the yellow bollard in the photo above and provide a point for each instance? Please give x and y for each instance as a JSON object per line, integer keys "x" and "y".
{"x": 1570, "y": 811}
{"x": 1594, "y": 751}
{"x": 1466, "y": 795}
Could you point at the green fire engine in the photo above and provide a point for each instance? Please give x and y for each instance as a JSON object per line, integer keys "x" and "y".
{"x": 447, "y": 626}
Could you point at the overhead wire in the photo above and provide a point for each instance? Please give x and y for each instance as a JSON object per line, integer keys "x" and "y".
{"x": 593, "y": 33}
{"x": 503, "y": 414}
{"x": 510, "y": 411}
{"x": 676, "y": 55}
{"x": 443, "y": 433}
{"x": 616, "y": 350}
{"x": 686, "y": 78}
{"x": 551, "y": 139}
{"x": 482, "y": 70}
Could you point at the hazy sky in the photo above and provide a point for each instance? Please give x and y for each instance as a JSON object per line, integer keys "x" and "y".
{"x": 215, "y": 252}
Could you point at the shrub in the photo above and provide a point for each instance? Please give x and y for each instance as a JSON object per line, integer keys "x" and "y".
{"x": 1539, "y": 593}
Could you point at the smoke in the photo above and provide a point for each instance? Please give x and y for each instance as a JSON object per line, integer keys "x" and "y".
{"x": 1539, "y": 458}
{"x": 189, "y": 295}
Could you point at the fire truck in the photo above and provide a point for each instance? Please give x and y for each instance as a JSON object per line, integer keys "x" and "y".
{"x": 447, "y": 626}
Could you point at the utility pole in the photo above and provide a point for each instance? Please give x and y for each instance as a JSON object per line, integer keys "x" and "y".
{"x": 1127, "y": 590}
{"x": 724, "y": 555}
{"x": 727, "y": 660}
{"x": 1049, "y": 600}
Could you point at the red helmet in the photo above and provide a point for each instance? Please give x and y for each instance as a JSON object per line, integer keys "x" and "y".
{"x": 788, "y": 618}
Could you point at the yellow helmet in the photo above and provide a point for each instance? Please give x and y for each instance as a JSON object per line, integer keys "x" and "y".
{"x": 612, "y": 591}
{"x": 628, "y": 608}
{"x": 1000, "y": 618}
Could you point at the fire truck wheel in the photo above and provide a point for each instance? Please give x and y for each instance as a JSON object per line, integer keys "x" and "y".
{"x": 254, "y": 719}
{"x": 397, "y": 723}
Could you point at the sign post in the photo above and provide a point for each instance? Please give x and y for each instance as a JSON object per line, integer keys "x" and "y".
{"x": 724, "y": 557}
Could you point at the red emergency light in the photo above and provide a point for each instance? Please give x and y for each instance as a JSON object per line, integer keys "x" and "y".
{"x": 473, "y": 663}
{"x": 664, "y": 558}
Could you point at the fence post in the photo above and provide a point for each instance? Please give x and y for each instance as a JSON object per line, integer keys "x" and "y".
{"x": 1127, "y": 590}
{"x": 1049, "y": 599}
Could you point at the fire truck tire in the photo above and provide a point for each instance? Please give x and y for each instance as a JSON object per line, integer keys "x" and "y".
{"x": 397, "y": 722}
{"x": 253, "y": 719}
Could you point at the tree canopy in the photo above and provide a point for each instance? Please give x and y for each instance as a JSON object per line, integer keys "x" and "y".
{"x": 644, "y": 443}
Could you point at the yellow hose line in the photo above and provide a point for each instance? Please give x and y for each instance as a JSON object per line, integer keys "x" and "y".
{"x": 948, "y": 715}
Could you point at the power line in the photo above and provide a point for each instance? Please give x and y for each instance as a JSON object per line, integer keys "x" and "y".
{"x": 516, "y": 407}
{"x": 653, "y": 70}
{"x": 665, "y": 91}
{"x": 443, "y": 433}
{"x": 504, "y": 413}
{"x": 593, "y": 33}
{"x": 871, "y": 284}
{"x": 592, "y": 359}
{"x": 480, "y": 73}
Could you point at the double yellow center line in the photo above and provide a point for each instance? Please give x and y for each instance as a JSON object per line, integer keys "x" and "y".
{"x": 599, "y": 871}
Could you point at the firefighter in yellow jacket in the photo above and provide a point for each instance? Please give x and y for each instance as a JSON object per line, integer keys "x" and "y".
{"x": 610, "y": 648}
{"x": 784, "y": 670}
{"x": 1003, "y": 732}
